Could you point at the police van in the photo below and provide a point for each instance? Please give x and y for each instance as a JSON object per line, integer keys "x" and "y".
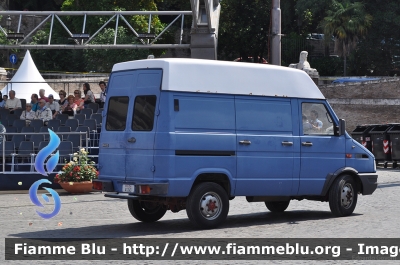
{"x": 194, "y": 134}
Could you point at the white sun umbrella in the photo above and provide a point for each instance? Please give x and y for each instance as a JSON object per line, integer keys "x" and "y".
{"x": 28, "y": 72}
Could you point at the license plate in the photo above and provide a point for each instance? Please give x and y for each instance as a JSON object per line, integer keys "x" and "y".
{"x": 128, "y": 188}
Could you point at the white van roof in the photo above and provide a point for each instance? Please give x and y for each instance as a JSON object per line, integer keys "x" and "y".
{"x": 209, "y": 76}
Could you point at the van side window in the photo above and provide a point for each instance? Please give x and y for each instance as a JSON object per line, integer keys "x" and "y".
{"x": 117, "y": 113}
{"x": 143, "y": 115}
{"x": 316, "y": 120}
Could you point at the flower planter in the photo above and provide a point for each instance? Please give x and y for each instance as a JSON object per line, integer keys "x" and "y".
{"x": 77, "y": 187}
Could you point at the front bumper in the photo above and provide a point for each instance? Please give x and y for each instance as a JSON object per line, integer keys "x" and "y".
{"x": 369, "y": 182}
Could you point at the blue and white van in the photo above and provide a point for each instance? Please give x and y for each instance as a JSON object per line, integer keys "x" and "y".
{"x": 193, "y": 134}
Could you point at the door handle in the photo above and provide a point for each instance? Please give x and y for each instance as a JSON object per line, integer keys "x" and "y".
{"x": 132, "y": 140}
{"x": 306, "y": 144}
{"x": 286, "y": 143}
{"x": 245, "y": 142}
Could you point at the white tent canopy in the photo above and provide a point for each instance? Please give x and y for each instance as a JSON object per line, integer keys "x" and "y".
{"x": 28, "y": 73}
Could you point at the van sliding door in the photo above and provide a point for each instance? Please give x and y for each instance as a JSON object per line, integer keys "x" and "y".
{"x": 265, "y": 147}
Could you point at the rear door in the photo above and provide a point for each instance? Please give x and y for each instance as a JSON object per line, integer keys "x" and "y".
{"x": 127, "y": 138}
{"x": 142, "y": 125}
{"x": 112, "y": 145}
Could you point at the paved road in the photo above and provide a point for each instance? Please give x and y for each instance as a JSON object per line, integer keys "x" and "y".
{"x": 93, "y": 215}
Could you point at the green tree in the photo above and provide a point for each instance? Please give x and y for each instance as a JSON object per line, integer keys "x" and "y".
{"x": 310, "y": 13}
{"x": 244, "y": 29}
{"x": 347, "y": 23}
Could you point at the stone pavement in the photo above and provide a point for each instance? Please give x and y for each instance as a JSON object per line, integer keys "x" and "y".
{"x": 93, "y": 215}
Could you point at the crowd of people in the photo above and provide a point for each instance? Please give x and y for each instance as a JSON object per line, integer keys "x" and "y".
{"x": 46, "y": 108}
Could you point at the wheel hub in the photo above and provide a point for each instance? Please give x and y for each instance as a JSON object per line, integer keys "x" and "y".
{"x": 210, "y": 206}
{"x": 347, "y": 196}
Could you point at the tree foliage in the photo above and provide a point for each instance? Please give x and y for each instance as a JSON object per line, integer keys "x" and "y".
{"x": 244, "y": 29}
{"x": 347, "y": 23}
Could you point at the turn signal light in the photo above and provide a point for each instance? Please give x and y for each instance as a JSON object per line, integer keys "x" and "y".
{"x": 144, "y": 189}
{"x": 97, "y": 186}
{"x": 349, "y": 155}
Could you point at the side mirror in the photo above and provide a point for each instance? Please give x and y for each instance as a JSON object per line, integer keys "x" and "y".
{"x": 341, "y": 128}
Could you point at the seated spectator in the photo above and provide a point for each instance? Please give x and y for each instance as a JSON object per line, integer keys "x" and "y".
{"x": 63, "y": 99}
{"x": 2, "y": 101}
{"x": 35, "y": 102}
{"x": 42, "y": 96}
{"x": 89, "y": 96}
{"x": 71, "y": 107}
{"x": 28, "y": 114}
{"x": 43, "y": 113}
{"x": 5, "y": 97}
{"x": 12, "y": 103}
{"x": 78, "y": 100}
{"x": 53, "y": 105}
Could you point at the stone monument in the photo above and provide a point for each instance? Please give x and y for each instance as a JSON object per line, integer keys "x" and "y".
{"x": 304, "y": 65}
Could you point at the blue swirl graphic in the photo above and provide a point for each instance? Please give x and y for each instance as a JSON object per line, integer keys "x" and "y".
{"x": 45, "y": 152}
{"x": 33, "y": 196}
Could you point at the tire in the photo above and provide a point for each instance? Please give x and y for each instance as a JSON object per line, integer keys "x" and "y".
{"x": 199, "y": 211}
{"x": 277, "y": 207}
{"x": 146, "y": 211}
{"x": 343, "y": 196}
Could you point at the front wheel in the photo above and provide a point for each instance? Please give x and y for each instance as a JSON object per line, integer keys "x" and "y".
{"x": 146, "y": 211}
{"x": 277, "y": 207}
{"x": 343, "y": 196}
{"x": 207, "y": 205}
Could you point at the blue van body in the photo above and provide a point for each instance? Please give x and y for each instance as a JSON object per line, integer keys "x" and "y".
{"x": 169, "y": 148}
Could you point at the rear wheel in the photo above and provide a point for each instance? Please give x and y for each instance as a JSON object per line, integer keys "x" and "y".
{"x": 146, "y": 211}
{"x": 207, "y": 205}
{"x": 277, "y": 207}
{"x": 343, "y": 196}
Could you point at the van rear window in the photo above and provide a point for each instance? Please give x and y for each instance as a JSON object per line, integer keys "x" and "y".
{"x": 116, "y": 113}
{"x": 143, "y": 115}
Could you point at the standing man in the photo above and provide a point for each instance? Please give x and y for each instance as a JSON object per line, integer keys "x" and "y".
{"x": 35, "y": 102}
{"x": 42, "y": 96}
{"x": 102, "y": 85}
{"x": 53, "y": 106}
{"x": 12, "y": 103}
{"x": 43, "y": 113}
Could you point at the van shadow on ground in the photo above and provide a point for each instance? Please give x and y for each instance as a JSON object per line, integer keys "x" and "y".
{"x": 177, "y": 226}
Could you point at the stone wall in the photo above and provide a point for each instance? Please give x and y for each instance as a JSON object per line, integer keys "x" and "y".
{"x": 375, "y": 102}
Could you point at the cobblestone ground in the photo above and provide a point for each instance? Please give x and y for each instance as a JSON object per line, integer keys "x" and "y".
{"x": 93, "y": 215}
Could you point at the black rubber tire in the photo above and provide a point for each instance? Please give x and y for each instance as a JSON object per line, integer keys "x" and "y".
{"x": 146, "y": 211}
{"x": 343, "y": 186}
{"x": 277, "y": 207}
{"x": 198, "y": 214}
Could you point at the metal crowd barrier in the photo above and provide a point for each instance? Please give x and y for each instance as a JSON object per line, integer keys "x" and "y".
{"x": 13, "y": 155}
